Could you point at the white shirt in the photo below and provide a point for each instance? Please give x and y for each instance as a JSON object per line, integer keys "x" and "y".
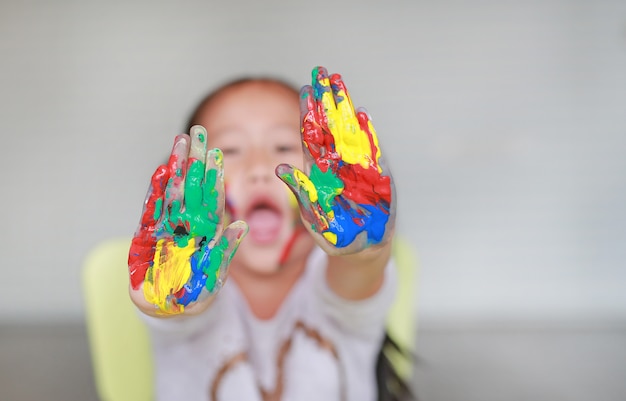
{"x": 318, "y": 346}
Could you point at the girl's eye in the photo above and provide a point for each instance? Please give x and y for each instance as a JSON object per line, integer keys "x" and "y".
{"x": 286, "y": 148}
{"x": 230, "y": 151}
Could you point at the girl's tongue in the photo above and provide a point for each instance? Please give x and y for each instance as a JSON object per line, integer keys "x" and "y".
{"x": 264, "y": 224}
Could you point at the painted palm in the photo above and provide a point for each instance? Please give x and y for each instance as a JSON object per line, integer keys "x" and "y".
{"x": 180, "y": 251}
{"x": 346, "y": 193}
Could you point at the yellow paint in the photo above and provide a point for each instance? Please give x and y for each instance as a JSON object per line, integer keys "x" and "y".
{"x": 219, "y": 162}
{"x": 171, "y": 270}
{"x": 305, "y": 182}
{"x": 330, "y": 237}
{"x": 351, "y": 142}
{"x": 291, "y": 198}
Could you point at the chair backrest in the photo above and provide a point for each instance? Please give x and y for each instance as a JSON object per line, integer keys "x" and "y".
{"x": 402, "y": 318}
{"x": 119, "y": 342}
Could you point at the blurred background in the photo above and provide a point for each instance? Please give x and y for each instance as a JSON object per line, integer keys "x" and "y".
{"x": 504, "y": 123}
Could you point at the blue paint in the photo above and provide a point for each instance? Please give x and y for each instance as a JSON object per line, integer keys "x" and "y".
{"x": 336, "y": 89}
{"x": 349, "y": 222}
{"x": 318, "y": 88}
{"x": 204, "y": 271}
{"x": 198, "y": 278}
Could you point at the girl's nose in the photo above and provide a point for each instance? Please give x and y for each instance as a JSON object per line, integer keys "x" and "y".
{"x": 259, "y": 166}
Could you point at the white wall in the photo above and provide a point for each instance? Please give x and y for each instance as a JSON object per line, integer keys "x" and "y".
{"x": 505, "y": 123}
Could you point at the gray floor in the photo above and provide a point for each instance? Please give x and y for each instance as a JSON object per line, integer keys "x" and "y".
{"x": 45, "y": 362}
{"x": 560, "y": 362}
{"x": 482, "y": 363}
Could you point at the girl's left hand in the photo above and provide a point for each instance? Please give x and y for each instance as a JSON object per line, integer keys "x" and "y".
{"x": 346, "y": 193}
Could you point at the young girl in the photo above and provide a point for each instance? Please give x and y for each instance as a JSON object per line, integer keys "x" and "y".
{"x": 302, "y": 316}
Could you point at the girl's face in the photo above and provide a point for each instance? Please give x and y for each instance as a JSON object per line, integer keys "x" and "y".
{"x": 257, "y": 127}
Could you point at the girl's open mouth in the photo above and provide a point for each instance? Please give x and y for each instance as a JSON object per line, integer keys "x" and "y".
{"x": 264, "y": 220}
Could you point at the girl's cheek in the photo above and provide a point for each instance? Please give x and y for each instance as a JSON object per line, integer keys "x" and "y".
{"x": 229, "y": 203}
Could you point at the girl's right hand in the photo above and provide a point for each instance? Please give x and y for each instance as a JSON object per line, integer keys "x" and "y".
{"x": 180, "y": 253}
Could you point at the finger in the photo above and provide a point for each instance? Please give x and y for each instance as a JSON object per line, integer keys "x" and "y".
{"x": 308, "y": 111}
{"x": 213, "y": 188}
{"x": 359, "y": 146}
{"x": 198, "y": 147}
{"x": 141, "y": 251}
{"x": 322, "y": 91}
{"x": 195, "y": 170}
{"x": 176, "y": 164}
{"x": 345, "y": 110}
{"x": 298, "y": 182}
{"x": 153, "y": 203}
{"x": 218, "y": 258}
{"x": 312, "y": 133}
{"x": 306, "y": 194}
{"x": 365, "y": 123}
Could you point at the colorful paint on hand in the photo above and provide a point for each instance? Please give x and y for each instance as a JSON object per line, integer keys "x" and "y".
{"x": 175, "y": 253}
{"x": 346, "y": 192}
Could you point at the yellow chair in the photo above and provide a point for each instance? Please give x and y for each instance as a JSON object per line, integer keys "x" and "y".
{"x": 119, "y": 342}
{"x": 118, "y": 339}
{"x": 402, "y": 318}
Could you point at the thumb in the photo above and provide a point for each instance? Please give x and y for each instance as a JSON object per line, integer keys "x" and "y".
{"x": 219, "y": 256}
{"x": 306, "y": 193}
{"x": 299, "y": 183}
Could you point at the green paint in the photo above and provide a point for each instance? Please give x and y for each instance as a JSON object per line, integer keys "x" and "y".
{"x": 328, "y": 186}
{"x": 210, "y": 192}
{"x": 193, "y": 186}
{"x": 215, "y": 261}
{"x": 201, "y": 138}
{"x": 314, "y": 73}
{"x": 288, "y": 177}
{"x": 158, "y": 208}
{"x": 149, "y": 276}
{"x": 198, "y": 217}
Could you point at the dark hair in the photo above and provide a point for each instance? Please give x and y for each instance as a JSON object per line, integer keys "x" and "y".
{"x": 194, "y": 116}
{"x": 390, "y": 383}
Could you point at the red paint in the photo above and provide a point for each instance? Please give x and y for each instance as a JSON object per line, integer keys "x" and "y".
{"x": 365, "y": 186}
{"x": 320, "y": 143}
{"x": 289, "y": 245}
{"x": 141, "y": 254}
{"x": 362, "y": 185}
